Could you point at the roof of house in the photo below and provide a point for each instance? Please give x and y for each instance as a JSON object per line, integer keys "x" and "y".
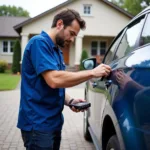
{"x": 7, "y": 23}
{"x": 19, "y": 26}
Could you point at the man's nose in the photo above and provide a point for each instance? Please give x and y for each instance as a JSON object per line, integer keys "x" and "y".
{"x": 72, "y": 39}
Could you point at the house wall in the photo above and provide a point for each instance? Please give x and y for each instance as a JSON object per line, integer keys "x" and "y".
{"x": 104, "y": 20}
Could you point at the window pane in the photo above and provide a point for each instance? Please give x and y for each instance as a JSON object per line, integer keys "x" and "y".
{"x": 5, "y": 46}
{"x": 5, "y": 43}
{"x": 94, "y": 44}
{"x": 102, "y": 47}
{"x": 87, "y": 9}
{"x": 84, "y": 9}
{"x": 145, "y": 39}
{"x": 94, "y": 52}
{"x": 112, "y": 49}
{"x": 103, "y": 44}
{"x": 102, "y": 51}
{"x": 94, "y": 47}
{"x": 5, "y": 50}
{"x": 128, "y": 42}
{"x": 11, "y": 46}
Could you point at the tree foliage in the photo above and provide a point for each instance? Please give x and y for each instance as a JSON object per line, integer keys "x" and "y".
{"x": 16, "y": 57}
{"x": 132, "y": 6}
{"x": 13, "y": 11}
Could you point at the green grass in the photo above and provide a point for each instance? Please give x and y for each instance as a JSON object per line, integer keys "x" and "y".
{"x": 8, "y": 81}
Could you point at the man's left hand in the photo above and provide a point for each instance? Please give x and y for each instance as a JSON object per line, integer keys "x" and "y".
{"x": 77, "y": 101}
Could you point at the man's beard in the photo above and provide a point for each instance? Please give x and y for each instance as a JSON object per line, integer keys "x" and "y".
{"x": 60, "y": 41}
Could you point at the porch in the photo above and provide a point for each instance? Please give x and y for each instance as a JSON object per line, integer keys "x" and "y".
{"x": 95, "y": 46}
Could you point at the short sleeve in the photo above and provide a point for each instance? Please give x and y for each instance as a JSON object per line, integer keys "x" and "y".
{"x": 42, "y": 56}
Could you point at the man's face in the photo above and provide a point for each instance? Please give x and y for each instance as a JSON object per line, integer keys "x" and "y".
{"x": 66, "y": 36}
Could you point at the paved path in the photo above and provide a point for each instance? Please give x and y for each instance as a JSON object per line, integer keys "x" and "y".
{"x": 72, "y": 135}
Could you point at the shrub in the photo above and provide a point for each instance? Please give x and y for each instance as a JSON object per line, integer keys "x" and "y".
{"x": 83, "y": 56}
{"x": 16, "y": 57}
{"x": 3, "y": 66}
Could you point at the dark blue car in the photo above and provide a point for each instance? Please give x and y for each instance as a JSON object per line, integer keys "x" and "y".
{"x": 119, "y": 116}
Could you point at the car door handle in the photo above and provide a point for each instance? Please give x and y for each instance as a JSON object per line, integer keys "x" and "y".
{"x": 94, "y": 84}
{"x": 108, "y": 83}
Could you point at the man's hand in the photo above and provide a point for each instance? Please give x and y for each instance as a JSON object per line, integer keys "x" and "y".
{"x": 77, "y": 101}
{"x": 101, "y": 70}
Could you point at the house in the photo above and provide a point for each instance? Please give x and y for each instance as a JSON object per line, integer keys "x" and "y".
{"x": 8, "y": 36}
{"x": 104, "y": 20}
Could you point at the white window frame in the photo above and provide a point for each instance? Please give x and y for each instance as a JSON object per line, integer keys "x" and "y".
{"x": 87, "y": 5}
{"x": 98, "y": 46}
{"x": 8, "y": 47}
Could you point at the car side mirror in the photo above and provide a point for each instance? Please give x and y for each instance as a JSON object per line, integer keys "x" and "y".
{"x": 89, "y": 63}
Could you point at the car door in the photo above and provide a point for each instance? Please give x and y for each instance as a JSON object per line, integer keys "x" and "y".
{"x": 101, "y": 93}
{"x": 122, "y": 91}
{"x": 142, "y": 98}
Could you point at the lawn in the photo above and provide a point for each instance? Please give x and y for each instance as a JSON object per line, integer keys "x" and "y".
{"x": 8, "y": 81}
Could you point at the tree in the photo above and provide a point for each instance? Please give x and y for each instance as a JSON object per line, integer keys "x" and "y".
{"x": 83, "y": 56}
{"x": 16, "y": 57}
{"x": 118, "y": 2}
{"x": 132, "y": 6}
{"x": 13, "y": 11}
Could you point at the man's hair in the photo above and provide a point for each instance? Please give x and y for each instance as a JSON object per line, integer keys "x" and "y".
{"x": 67, "y": 16}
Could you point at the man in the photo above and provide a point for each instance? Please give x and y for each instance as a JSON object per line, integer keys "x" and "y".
{"x": 44, "y": 81}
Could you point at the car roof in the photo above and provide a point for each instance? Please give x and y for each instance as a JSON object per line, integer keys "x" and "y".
{"x": 145, "y": 11}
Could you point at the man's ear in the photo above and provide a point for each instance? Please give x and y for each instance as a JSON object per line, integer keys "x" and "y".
{"x": 60, "y": 24}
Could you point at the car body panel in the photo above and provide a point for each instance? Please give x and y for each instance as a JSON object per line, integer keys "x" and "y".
{"x": 89, "y": 97}
{"x": 126, "y": 101}
{"x": 108, "y": 111}
{"x": 126, "y": 98}
{"x": 99, "y": 102}
{"x": 95, "y": 114}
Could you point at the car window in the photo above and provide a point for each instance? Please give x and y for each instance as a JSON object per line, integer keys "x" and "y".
{"x": 145, "y": 37}
{"x": 128, "y": 42}
{"x": 109, "y": 57}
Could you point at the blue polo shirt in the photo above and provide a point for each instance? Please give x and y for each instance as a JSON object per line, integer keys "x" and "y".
{"x": 40, "y": 105}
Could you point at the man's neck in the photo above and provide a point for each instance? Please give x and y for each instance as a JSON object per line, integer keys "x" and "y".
{"x": 52, "y": 35}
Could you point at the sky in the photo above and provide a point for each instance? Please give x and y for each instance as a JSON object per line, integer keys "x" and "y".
{"x": 34, "y": 7}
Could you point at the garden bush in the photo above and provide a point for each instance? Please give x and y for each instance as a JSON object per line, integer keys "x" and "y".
{"x": 3, "y": 66}
{"x": 84, "y": 55}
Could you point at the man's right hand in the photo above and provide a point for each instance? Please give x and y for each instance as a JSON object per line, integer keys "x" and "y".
{"x": 101, "y": 70}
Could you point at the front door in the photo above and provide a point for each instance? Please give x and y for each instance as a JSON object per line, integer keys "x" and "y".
{"x": 66, "y": 55}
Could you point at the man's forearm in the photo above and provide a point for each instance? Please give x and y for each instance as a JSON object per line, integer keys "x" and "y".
{"x": 63, "y": 79}
{"x": 59, "y": 79}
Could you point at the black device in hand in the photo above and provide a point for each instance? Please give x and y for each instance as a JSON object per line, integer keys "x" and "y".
{"x": 80, "y": 105}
